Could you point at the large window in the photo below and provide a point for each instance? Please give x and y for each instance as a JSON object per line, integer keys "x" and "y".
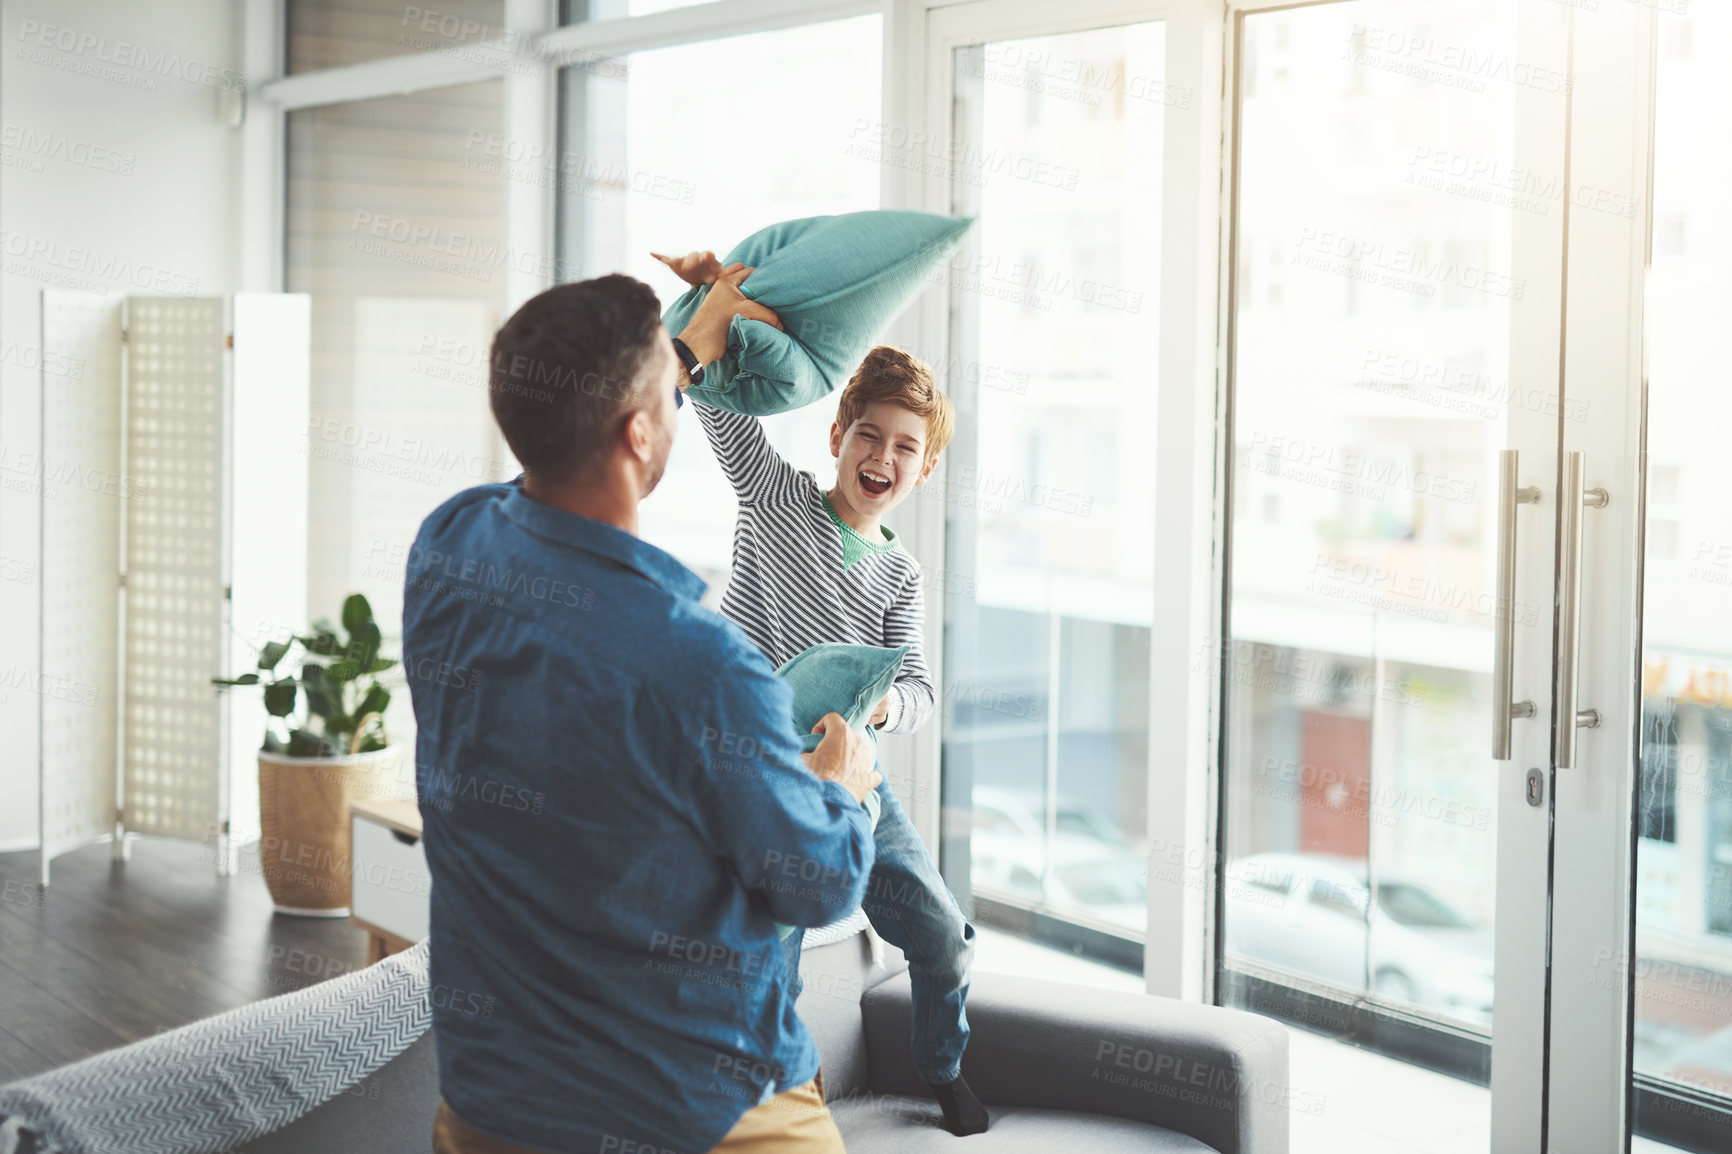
{"x": 664, "y": 153}
{"x": 394, "y": 228}
{"x": 1398, "y": 181}
{"x": 1048, "y": 580}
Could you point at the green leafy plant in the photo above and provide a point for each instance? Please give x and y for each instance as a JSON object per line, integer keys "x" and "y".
{"x": 327, "y": 686}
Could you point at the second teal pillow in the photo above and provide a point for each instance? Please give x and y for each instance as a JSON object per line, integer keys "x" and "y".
{"x": 846, "y": 679}
{"x": 835, "y": 678}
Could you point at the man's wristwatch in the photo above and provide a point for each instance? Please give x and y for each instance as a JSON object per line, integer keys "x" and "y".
{"x": 694, "y": 370}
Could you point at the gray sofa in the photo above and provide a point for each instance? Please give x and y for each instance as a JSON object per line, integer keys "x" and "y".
{"x": 1058, "y": 1066}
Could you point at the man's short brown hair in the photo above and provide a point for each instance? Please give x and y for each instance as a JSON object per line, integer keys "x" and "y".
{"x": 569, "y": 367}
{"x": 900, "y": 378}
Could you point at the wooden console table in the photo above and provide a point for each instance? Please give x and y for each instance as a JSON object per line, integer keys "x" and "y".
{"x": 390, "y": 883}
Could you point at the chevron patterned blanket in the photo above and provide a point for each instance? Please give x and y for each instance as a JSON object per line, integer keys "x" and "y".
{"x": 212, "y": 1085}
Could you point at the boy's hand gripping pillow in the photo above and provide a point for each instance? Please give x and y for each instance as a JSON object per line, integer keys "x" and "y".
{"x": 835, "y": 282}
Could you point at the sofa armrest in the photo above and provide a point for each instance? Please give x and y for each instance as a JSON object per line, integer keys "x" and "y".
{"x": 1216, "y": 1074}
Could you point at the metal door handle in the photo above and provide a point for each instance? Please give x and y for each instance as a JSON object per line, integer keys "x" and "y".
{"x": 1503, "y": 654}
{"x": 1568, "y": 717}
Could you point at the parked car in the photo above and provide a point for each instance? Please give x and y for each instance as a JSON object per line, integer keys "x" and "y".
{"x": 1092, "y": 870}
{"x": 1313, "y": 915}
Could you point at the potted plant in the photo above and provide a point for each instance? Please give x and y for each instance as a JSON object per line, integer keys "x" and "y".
{"x": 324, "y": 742}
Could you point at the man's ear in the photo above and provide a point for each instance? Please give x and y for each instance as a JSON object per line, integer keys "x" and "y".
{"x": 835, "y": 439}
{"x": 927, "y": 471}
{"x": 639, "y": 436}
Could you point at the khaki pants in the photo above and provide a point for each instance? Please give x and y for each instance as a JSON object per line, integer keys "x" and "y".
{"x": 793, "y": 1122}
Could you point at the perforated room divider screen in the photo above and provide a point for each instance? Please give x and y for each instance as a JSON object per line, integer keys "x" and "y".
{"x": 148, "y": 424}
{"x": 176, "y": 545}
{"x": 82, "y": 494}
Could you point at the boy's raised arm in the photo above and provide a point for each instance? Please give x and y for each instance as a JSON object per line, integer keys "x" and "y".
{"x": 757, "y": 472}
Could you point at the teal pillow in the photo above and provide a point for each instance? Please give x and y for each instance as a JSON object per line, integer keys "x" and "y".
{"x": 835, "y": 678}
{"x": 835, "y": 283}
{"x": 846, "y": 679}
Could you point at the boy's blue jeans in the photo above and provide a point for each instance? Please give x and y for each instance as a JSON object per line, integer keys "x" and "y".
{"x": 911, "y": 908}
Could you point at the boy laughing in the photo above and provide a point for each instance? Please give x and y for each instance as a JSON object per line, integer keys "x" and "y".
{"x": 813, "y": 566}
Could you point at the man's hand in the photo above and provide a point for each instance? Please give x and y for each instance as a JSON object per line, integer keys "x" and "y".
{"x": 707, "y": 333}
{"x": 697, "y": 267}
{"x": 844, "y": 757}
{"x": 881, "y": 714}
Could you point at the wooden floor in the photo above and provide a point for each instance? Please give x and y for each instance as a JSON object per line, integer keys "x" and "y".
{"x": 114, "y": 952}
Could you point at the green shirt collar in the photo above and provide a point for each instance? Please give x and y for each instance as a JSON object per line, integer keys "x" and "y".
{"x": 856, "y": 544}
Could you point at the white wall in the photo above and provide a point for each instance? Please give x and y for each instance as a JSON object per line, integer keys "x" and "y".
{"x": 119, "y": 176}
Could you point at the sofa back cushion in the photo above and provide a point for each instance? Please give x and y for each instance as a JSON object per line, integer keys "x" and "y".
{"x": 1216, "y": 1074}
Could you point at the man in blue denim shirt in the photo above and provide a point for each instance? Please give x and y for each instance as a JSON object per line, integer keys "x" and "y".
{"x": 615, "y": 807}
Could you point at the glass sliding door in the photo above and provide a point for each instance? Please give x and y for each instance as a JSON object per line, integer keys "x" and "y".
{"x": 1398, "y": 215}
{"x": 1682, "y": 963}
{"x": 1047, "y": 583}
{"x": 1473, "y": 839}
{"x": 1477, "y": 277}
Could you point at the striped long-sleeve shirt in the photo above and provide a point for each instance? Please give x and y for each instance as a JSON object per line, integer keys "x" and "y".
{"x": 791, "y": 588}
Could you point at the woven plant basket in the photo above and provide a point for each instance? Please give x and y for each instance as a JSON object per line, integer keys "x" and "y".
{"x": 304, "y": 820}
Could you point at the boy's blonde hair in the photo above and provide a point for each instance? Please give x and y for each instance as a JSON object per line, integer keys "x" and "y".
{"x": 900, "y": 378}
